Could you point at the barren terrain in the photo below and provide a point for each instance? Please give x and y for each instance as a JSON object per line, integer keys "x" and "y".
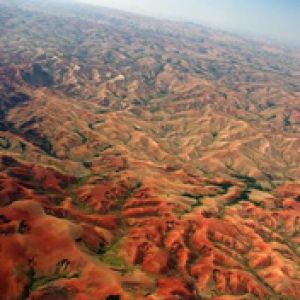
{"x": 145, "y": 159}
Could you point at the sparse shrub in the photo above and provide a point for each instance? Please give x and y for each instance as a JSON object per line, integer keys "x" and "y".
{"x": 87, "y": 164}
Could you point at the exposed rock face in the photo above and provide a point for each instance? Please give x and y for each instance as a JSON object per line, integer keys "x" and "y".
{"x": 145, "y": 159}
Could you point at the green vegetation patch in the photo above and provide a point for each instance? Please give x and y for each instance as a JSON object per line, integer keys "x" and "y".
{"x": 4, "y": 143}
{"x": 112, "y": 258}
{"x": 249, "y": 181}
{"x": 198, "y": 198}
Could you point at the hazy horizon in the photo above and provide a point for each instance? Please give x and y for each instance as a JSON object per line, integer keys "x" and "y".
{"x": 275, "y": 19}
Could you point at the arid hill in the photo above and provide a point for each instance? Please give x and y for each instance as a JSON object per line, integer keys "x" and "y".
{"x": 145, "y": 159}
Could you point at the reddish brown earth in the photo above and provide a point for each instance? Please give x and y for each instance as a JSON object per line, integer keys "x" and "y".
{"x": 138, "y": 163}
{"x": 186, "y": 238}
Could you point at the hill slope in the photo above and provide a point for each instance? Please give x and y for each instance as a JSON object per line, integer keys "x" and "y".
{"x": 145, "y": 159}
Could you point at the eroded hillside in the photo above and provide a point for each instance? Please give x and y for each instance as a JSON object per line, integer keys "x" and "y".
{"x": 145, "y": 159}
